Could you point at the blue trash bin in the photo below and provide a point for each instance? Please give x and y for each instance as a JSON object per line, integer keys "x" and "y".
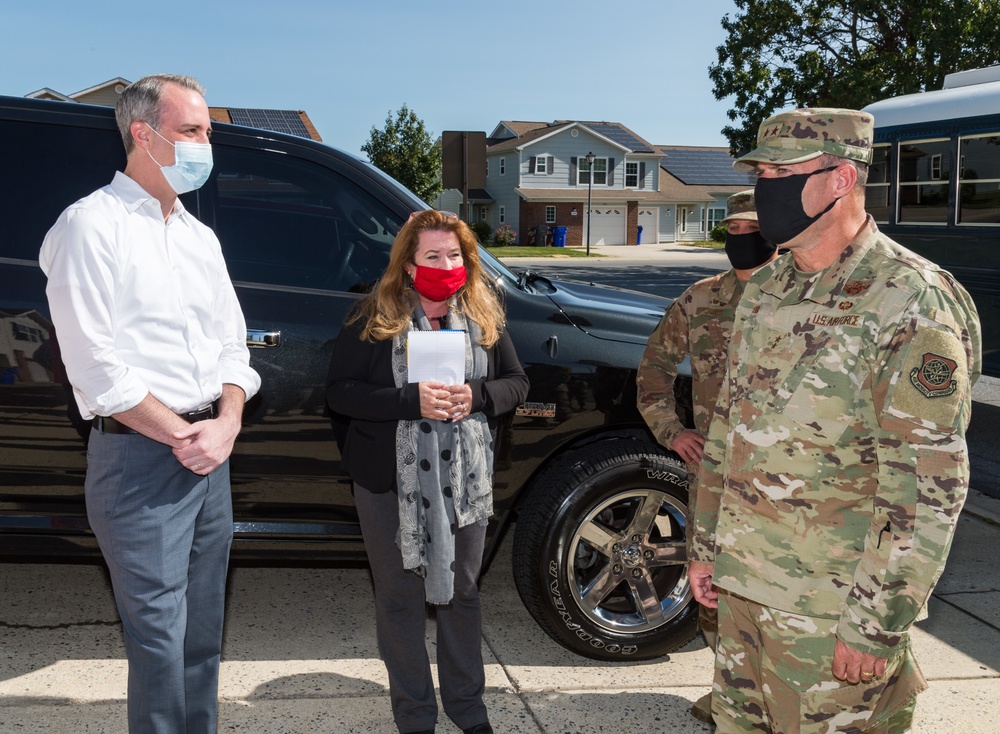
{"x": 559, "y": 236}
{"x": 638, "y": 239}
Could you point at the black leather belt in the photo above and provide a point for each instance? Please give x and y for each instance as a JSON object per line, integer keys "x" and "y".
{"x": 107, "y": 424}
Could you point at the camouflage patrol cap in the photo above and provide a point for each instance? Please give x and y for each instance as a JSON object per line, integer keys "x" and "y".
{"x": 741, "y": 206}
{"x": 804, "y": 134}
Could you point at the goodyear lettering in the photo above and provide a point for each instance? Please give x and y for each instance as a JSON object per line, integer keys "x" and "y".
{"x": 575, "y": 627}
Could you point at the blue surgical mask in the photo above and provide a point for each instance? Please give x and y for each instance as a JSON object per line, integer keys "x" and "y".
{"x": 192, "y": 165}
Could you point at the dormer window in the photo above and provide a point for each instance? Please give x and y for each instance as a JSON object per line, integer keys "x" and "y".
{"x": 632, "y": 175}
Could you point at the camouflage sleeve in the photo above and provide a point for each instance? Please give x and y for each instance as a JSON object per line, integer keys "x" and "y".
{"x": 706, "y": 489}
{"x": 667, "y": 347}
{"x": 921, "y": 392}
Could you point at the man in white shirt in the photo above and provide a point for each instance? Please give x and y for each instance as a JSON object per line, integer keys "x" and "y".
{"x": 154, "y": 344}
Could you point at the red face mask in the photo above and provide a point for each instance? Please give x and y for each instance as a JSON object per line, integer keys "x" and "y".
{"x": 438, "y": 284}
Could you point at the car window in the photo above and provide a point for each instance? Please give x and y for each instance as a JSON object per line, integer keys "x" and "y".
{"x": 288, "y": 222}
{"x": 37, "y": 153}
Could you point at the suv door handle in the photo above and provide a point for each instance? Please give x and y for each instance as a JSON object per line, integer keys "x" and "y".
{"x": 260, "y": 339}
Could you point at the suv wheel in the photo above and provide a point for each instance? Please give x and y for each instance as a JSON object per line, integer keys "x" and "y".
{"x": 599, "y": 552}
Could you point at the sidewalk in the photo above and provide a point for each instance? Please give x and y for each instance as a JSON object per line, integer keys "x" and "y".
{"x": 651, "y": 252}
{"x": 300, "y": 655}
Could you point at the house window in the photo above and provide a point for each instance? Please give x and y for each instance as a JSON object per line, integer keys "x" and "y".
{"x": 542, "y": 164}
{"x": 715, "y": 216}
{"x": 600, "y": 172}
{"x": 503, "y": 214}
{"x": 487, "y": 167}
{"x": 631, "y": 175}
{"x": 550, "y": 215}
{"x": 503, "y": 166}
{"x": 936, "y": 167}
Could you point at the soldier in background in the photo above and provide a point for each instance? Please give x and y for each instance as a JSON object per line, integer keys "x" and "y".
{"x": 836, "y": 464}
{"x": 699, "y": 324}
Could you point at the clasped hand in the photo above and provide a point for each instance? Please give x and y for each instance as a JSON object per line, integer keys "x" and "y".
{"x": 440, "y": 402}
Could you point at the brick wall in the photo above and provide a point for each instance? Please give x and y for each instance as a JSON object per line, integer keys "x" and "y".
{"x": 532, "y": 214}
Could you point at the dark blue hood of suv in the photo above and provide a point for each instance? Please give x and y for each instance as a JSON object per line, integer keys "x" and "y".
{"x": 607, "y": 312}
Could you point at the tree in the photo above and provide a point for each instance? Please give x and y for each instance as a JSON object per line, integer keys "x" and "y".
{"x": 404, "y": 149}
{"x": 844, "y": 53}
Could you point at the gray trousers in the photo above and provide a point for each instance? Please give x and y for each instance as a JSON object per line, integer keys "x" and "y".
{"x": 400, "y": 614}
{"x": 165, "y": 534}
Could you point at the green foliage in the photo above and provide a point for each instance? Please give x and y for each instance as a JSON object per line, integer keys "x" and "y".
{"x": 718, "y": 233}
{"x": 504, "y": 236}
{"x": 405, "y": 150}
{"x": 482, "y": 230}
{"x": 844, "y": 53}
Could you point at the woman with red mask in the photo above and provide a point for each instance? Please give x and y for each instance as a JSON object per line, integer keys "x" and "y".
{"x": 420, "y": 455}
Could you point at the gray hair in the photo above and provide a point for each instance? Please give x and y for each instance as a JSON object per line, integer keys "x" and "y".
{"x": 140, "y": 102}
{"x": 862, "y": 168}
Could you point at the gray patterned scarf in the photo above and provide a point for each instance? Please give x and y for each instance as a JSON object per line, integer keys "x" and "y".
{"x": 444, "y": 472}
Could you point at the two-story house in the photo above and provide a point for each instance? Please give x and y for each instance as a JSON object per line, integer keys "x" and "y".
{"x": 538, "y": 173}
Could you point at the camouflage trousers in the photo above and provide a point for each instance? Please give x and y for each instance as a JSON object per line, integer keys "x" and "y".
{"x": 773, "y": 673}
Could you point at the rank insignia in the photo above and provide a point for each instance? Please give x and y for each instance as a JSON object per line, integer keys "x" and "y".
{"x": 854, "y": 287}
{"x": 933, "y": 378}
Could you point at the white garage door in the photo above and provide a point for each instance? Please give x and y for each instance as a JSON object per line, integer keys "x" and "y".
{"x": 649, "y": 221}
{"x": 608, "y": 225}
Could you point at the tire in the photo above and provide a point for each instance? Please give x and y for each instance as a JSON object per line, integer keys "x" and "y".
{"x": 599, "y": 552}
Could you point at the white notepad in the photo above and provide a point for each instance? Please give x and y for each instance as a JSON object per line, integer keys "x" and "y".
{"x": 436, "y": 356}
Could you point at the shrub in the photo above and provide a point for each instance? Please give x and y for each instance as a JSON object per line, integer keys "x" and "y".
{"x": 718, "y": 233}
{"x": 482, "y": 230}
{"x": 504, "y": 236}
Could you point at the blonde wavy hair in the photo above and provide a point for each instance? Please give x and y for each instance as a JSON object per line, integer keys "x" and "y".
{"x": 387, "y": 310}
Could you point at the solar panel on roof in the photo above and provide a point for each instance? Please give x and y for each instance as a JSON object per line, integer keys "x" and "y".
{"x": 704, "y": 168}
{"x": 280, "y": 121}
{"x": 622, "y": 137}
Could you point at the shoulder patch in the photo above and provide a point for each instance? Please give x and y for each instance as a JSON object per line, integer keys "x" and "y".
{"x": 934, "y": 378}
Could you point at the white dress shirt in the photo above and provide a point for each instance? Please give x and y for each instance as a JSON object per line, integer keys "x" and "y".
{"x": 142, "y": 305}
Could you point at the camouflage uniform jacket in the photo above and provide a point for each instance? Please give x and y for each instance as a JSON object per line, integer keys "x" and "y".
{"x": 698, "y": 324}
{"x": 837, "y": 465}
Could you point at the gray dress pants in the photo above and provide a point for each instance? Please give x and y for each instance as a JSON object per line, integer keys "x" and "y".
{"x": 400, "y": 614}
{"x": 165, "y": 533}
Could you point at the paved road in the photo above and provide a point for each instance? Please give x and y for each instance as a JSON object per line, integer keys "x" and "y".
{"x": 668, "y": 273}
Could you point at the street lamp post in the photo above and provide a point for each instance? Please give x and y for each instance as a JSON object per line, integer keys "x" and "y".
{"x": 590, "y": 194}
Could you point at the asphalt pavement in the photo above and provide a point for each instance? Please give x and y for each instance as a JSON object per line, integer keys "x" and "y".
{"x": 300, "y": 655}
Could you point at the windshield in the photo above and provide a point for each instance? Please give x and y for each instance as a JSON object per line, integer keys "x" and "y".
{"x": 490, "y": 262}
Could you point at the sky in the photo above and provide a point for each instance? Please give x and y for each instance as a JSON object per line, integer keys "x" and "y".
{"x": 459, "y": 65}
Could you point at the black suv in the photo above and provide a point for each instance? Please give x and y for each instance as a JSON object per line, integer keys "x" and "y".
{"x": 599, "y": 543}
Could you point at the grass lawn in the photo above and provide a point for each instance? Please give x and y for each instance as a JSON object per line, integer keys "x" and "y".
{"x": 505, "y": 252}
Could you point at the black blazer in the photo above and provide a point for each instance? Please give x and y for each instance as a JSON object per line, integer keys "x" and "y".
{"x": 360, "y": 386}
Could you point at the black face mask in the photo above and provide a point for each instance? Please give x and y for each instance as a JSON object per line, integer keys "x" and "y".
{"x": 748, "y": 251}
{"x": 779, "y": 206}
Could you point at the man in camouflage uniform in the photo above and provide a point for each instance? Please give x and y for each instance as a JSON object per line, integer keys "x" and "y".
{"x": 699, "y": 324}
{"x": 836, "y": 465}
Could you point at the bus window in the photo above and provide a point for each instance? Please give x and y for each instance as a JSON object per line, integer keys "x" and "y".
{"x": 979, "y": 180}
{"x": 924, "y": 168}
{"x": 877, "y": 188}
